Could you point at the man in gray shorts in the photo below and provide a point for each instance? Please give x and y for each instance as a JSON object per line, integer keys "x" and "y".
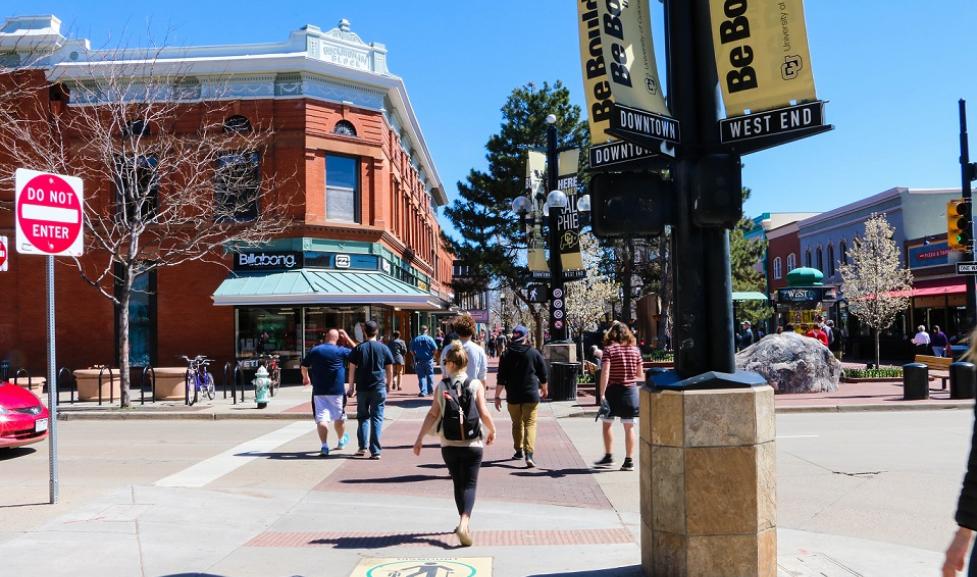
{"x": 325, "y": 369}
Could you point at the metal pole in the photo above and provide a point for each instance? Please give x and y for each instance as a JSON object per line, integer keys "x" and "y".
{"x": 966, "y": 193}
{"x": 556, "y": 259}
{"x": 52, "y": 386}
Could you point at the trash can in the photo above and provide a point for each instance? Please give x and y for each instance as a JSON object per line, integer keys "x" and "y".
{"x": 563, "y": 381}
{"x": 963, "y": 380}
{"x": 915, "y": 382}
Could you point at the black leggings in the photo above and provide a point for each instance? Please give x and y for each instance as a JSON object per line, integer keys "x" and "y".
{"x": 463, "y": 464}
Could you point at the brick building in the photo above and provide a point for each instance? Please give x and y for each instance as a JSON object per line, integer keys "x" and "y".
{"x": 365, "y": 243}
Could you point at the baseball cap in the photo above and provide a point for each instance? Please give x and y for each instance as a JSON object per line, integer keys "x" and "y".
{"x": 520, "y": 332}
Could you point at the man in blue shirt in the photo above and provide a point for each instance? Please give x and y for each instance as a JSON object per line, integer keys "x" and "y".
{"x": 423, "y": 347}
{"x": 325, "y": 369}
{"x": 371, "y": 365}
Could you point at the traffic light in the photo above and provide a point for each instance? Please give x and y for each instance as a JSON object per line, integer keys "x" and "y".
{"x": 958, "y": 225}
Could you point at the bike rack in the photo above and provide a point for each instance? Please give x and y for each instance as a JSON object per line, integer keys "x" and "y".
{"x": 26, "y": 374}
{"x": 101, "y": 372}
{"x": 63, "y": 373}
{"x": 228, "y": 372}
{"x": 238, "y": 382}
{"x": 149, "y": 371}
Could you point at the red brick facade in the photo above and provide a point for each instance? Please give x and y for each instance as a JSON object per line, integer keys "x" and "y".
{"x": 781, "y": 244}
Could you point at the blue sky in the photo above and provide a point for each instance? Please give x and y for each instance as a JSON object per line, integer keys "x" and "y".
{"x": 892, "y": 71}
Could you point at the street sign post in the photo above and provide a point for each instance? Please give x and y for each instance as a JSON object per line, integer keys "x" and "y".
{"x": 967, "y": 267}
{"x": 49, "y": 218}
{"x": 3, "y": 253}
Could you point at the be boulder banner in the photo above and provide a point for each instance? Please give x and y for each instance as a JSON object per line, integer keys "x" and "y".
{"x": 762, "y": 55}
{"x": 568, "y": 223}
{"x": 618, "y": 60}
{"x": 535, "y": 185}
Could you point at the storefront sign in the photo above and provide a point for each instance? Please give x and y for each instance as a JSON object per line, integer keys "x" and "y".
{"x": 934, "y": 254}
{"x": 799, "y": 295}
{"x": 479, "y": 315}
{"x": 618, "y": 60}
{"x": 342, "y": 261}
{"x": 265, "y": 261}
{"x": 762, "y": 57}
{"x": 772, "y": 122}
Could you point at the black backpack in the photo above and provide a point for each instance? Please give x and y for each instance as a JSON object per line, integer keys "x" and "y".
{"x": 460, "y": 420}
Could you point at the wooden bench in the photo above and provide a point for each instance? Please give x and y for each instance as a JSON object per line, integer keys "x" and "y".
{"x": 939, "y": 363}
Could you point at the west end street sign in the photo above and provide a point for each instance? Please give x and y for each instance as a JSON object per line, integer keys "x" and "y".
{"x": 967, "y": 267}
{"x": 772, "y": 122}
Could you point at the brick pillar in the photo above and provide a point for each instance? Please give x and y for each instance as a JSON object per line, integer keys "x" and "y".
{"x": 708, "y": 483}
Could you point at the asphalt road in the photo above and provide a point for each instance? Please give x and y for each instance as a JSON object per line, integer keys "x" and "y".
{"x": 888, "y": 476}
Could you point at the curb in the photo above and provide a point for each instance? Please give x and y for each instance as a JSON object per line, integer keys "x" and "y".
{"x": 961, "y": 405}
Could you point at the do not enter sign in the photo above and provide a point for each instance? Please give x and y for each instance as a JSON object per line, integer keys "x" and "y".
{"x": 3, "y": 253}
{"x": 50, "y": 212}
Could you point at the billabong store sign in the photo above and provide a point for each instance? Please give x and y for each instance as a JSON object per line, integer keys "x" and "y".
{"x": 266, "y": 261}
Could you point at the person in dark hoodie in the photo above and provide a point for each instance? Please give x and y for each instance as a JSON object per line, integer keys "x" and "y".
{"x": 522, "y": 374}
{"x": 966, "y": 516}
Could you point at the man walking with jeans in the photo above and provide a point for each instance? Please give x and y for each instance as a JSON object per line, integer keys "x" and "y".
{"x": 423, "y": 348}
{"x": 522, "y": 373}
{"x": 371, "y": 365}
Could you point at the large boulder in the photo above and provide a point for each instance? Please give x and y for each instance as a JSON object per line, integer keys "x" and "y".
{"x": 792, "y": 363}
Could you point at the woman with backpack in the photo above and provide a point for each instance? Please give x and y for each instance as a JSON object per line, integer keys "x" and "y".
{"x": 458, "y": 415}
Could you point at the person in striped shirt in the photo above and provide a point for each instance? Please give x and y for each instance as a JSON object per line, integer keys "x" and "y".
{"x": 621, "y": 373}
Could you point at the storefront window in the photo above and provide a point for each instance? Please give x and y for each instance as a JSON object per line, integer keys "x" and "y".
{"x": 319, "y": 320}
{"x": 271, "y": 330}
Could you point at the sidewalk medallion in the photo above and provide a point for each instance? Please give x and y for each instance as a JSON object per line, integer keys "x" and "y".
{"x": 424, "y": 567}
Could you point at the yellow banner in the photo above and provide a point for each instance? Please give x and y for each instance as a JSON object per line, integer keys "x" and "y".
{"x": 618, "y": 60}
{"x": 569, "y": 221}
{"x": 535, "y": 186}
{"x": 762, "y": 55}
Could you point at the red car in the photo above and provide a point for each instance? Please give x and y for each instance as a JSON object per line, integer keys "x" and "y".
{"x": 23, "y": 418}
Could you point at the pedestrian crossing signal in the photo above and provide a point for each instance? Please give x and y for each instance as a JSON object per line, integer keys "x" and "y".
{"x": 958, "y": 225}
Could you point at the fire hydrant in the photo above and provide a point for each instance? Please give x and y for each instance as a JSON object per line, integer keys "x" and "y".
{"x": 262, "y": 386}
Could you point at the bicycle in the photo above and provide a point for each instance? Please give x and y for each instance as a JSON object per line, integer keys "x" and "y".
{"x": 198, "y": 378}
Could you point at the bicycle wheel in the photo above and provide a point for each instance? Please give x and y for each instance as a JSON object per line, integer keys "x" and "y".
{"x": 209, "y": 386}
{"x": 191, "y": 389}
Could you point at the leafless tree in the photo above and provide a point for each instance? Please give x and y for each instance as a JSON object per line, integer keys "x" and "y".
{"x": 875, "y": 282}
{"x": 172, "y": 176}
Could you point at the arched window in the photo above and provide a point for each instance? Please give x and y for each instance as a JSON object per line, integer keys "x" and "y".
{"x": 843, "y": 249}
{"x": 791, "y": 262}
{"x": 237, "y": 123}
{"x": 345, "y": 128}
{"x": 831, "y": 260}
{"x": 820, "y": 259}
{"x": 807, "y": 258}
{"x": 778, "y": 272}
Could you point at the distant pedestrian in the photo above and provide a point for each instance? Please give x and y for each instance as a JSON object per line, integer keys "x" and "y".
{"x": 464, "y": 425}
{"x": 501, "y": 342}
{"x": 325, "y": 369}
{"x": 921, "y": 341}
{"x": 522, "y": 375}
{"x": 398, "y": 348}
{"x": 745, "y": 337}
{"x": 439, "y": 339}
{"x": 939, "y": 341}
{"x": 424, "y": 349}
{"x": 464, "y": 329}
{"x": 815, "y": 332}
{"x": 966, "y": 516}
{"x": 490, "y": 347}
{"x": 621, "y": 372}
{"x": 829, "y": 329}
{"x": 371, "y": 366}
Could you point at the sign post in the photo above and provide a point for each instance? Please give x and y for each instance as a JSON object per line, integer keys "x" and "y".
{"x": 49, "y": 215}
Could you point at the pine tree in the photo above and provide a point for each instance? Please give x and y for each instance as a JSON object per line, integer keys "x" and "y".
{"x": 490, "y": 235}
{"x": 744, "y": 254}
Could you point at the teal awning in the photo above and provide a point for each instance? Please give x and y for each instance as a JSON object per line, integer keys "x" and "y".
{"x": 749, "y": 296}
{"x": 307, "y": 286}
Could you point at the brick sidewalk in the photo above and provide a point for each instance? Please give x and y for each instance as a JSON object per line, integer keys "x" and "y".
{"x": 562, "y": 477}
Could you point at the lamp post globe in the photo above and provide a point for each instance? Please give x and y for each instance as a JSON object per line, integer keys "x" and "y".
{"x": 556, "y": 199}
{"x": 551, "y": 119}
{"x": 583, "y": 203}
{"x": 520, "y": 205}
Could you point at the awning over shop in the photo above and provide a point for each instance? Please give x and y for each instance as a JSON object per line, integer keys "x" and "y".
{"x": 306, "y": 286}
{"x": 749, "y": 296}
{"x": 945, "y": 286}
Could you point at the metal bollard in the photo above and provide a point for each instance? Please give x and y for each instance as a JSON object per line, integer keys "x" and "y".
{"x": 963, "y": 380}
{"x": 915, "y": 382}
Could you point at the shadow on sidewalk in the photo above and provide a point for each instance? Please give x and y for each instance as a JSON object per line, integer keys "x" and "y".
{"x": 16, "y": 452}
{"x": 439, "y": 540}
{"x": 285, "y": 455}
{"x": 633, "y": 571}
{"x": 397, "y": 479}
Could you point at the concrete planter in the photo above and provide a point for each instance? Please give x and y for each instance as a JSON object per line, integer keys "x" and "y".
{"x": 36, "y": 384}
{"x": 170, "y": 383}
{"x": 871, "y": 380}
{"x": 658, "y": 364}
{"x": 87, "y": 380}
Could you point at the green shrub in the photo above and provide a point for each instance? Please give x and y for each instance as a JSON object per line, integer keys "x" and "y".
{"x": 659, "y": 355}
{"x": 879, "y": 373}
